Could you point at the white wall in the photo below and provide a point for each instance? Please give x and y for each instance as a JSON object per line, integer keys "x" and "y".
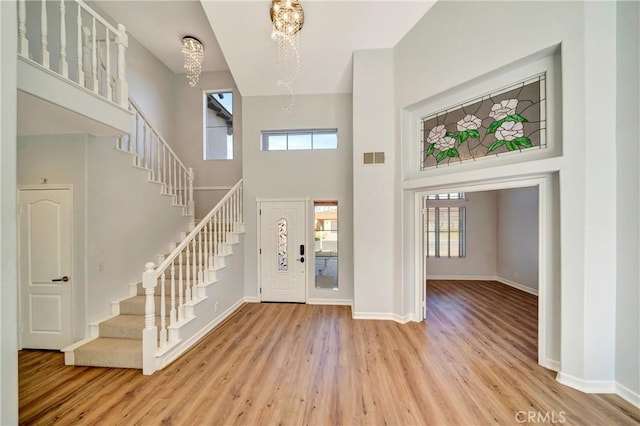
{"x": 61, "y": 159}
{"x": 188, "y": 137}
{"x": 426, "y": 65}
{"x": 8, "y": 219}
{"x": 628, "y": 199}
{"x": 151, "y": 87}
{"x": 517, "y": 231}
{"x": 375, "y": 188}
{"x": 482, "y": 243}
{"x": 128, "y": 224}
{"x": 319, "y": 175}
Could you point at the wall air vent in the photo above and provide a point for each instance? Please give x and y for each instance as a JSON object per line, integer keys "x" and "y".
{"x": 373, "y": 158}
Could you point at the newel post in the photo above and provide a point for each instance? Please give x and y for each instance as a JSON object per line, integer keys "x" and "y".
{"x": 191, "y": 204}
{"x": 122, "y": 88}
{"x": 150, "y": 331}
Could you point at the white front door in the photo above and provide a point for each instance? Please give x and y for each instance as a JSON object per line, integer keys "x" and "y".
{"x": 283, "y": 251}
{"x": 45, "y": 220}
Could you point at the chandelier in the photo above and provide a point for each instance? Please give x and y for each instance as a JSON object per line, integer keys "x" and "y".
{"x": 193, "y": 52}
{"x": 287, "y": 18}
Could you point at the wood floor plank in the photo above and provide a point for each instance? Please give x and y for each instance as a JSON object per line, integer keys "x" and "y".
{"x": 473, "y": 361}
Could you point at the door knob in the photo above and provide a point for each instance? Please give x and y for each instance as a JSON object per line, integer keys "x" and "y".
{"x": 301, "y": 260}
{"x": 63, "y": 279}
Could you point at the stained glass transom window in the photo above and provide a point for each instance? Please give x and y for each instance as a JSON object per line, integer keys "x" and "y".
{"x": 512, "y": 119}
{"x": 283, "y": 260}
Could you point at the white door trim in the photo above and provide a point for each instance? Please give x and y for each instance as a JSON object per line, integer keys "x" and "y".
{"x": 545, "y": 240}
{"x": 259, "y": 201}
{"x": 41, "y": 187}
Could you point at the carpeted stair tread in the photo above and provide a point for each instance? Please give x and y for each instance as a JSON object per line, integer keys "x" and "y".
{"x": 123, "y": 327}
{"x": 135, "y": 305}
{"x": 110, "y": 352}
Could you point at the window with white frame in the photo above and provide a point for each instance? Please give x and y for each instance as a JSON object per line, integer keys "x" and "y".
{"x": 445, "y": 225}
{"x": 290, "y": 140}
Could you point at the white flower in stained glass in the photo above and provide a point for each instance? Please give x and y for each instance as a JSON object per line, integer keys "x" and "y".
{"x": 469, "y": 122}
{"x": 509, "y": 130}
{"x": 436, "y": 134}
{"x": 445, "y": 143}
{"x": 503, "y": 109}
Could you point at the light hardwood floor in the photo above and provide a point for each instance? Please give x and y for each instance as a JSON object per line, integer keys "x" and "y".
{"x": 473, "y": 362}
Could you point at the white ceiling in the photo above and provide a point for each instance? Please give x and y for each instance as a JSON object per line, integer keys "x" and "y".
{"x": 160, "y": 25}
{"x": 332, "y": 31}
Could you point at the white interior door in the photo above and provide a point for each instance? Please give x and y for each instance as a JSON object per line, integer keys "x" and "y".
{"x": 45, "y": 267}
{"x": 283, "y": 251}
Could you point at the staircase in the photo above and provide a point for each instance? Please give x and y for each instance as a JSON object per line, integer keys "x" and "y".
{"x": 176, "y": 303}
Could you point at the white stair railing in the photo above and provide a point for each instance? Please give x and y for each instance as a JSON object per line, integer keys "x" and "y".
{"x": 184, "y": 273}
{"x": 93, "y": 40}
{"x": 154, "y": 154}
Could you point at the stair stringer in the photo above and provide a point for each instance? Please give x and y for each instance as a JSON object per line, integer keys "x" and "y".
{"x": 220, "y": 297}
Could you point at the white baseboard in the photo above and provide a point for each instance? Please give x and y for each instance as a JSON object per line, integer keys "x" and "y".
{"x": 326, "y": 301}
{"x": 551, "y": 364}
{"x": 519, "y": 286}
{"x": 251, "y": 299}
{"x": 373, "y": 316}
{"x": 383, "y": 316}
{"x": 485, "y": 278}
{"x": 462, "y": 277}
{"x": 628, "y": 395}
{"x": 587, "y": 386}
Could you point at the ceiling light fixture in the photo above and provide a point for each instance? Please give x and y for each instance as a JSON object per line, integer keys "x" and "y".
{"x": 287, "y": 19}
{"x": 193, "y": 52}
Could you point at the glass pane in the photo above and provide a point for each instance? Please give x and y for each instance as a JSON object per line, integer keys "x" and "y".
{"x": 217, "y": 143}
{"x": 431, "y": 244}
{"x": 325, "y": 140}
{"x": 218, "y": 134}
{"x": 275, "y": 142}
{"x": 444, "y": 244}
{"x": 326, "y": 244}
{"x": 283, "y": 261}
{"x": 299, "y": 141}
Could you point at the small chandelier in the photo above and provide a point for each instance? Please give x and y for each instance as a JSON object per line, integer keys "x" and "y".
{"x": 287, "y": 19}
{"x": 287, "y": 16}
{"x": 193, "y": 51}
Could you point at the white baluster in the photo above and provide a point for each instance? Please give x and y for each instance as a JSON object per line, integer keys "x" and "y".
{"x": 151, "y": 144}
{"x": 217, "y": 232}
{"x": 206, "y": 246}
{"x": 137, "y": 139}
{"x": 172, "y": 312}
{"x": 79, "y": 46}
{"x": 233, "y": 211}
{"x": 200, "y": 260}
{"x": 94, "y": 57}
{"x": 22, "y": 29}
{"x": 164, "y": 168}
{"x": 122, "y": 88}
{"x": 194, "y": 282}
{"x": 43, "y": 34}
{"x": 180, "y": 290}
{"x": 169, "y": 175}
{"x": 175, "y": 178}
{"x": 108, "y": 65}
{"x": 210, "y": 228}
{"x": 64, "y": 66}
{"x": 163, "y": 320}
{"x": 188, "y": 276}
{"x": 144, "y": 144}
{"x": 190, "y": 203}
